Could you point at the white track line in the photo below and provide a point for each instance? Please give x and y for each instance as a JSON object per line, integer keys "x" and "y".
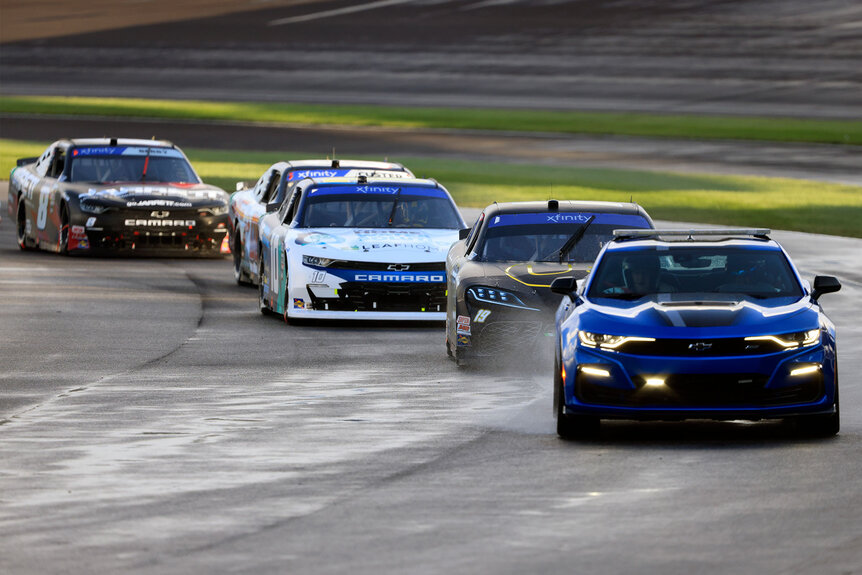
{"x": 337, "y": 12}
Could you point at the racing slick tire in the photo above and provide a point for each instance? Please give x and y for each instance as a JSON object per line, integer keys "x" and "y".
{"x": 239, "y": 275}
{"x": 262, "y": 305}
{"x": 820, "y": 425}
{"x": 571, "y": 426}
{"x": 63, "y": 241}
{"x": 21, "y": 220}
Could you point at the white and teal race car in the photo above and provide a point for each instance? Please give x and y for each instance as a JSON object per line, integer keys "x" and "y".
{"x": 360, "y": 249}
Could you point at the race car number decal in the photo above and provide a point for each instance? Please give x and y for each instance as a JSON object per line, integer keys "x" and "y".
{"x": 482, "y": 315}
{"x": 42, "y": 215}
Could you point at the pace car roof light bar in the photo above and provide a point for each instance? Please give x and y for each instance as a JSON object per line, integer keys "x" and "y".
{"x": 759, "y": 233}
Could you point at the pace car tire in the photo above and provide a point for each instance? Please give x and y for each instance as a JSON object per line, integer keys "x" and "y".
{"x": 21, "y": 221}
{"x": 820, "y": 425}
{"x": 571, "y": 426}
{"x": 63, "y": 240}
{"x": 239, "y": 275}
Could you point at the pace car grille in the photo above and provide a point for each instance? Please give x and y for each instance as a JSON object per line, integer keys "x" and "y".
{"x": 377, "y": 296}
{"x": 701, "y": 390}
{"x": 729, "y": 346}
{"x": 504, "y": 336}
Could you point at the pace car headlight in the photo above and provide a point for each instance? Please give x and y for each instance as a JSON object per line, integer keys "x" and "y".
{"x": 605, "y": 341}
{"x": 92, "y": 208}
{"x": 317, "y": 262}
{"x": 791, "y": 340}
{"x": 497, "y": 296}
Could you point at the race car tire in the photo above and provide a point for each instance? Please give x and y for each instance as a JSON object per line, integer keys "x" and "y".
{"x": 239, "y": 274}
{"x": 571, "y": 426}
{"x": 261, "y": 302}
{"x": 24, "y": 242}
{"x": 63, "y": 240}
{"x": 820, "y": 425}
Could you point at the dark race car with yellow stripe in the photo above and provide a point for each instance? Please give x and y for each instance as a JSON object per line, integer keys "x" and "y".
{"x": 499, "y": 274}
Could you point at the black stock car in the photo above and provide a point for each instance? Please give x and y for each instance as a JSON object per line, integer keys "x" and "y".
{"x": 499, "y": 275}
{"x": 110, "y": 196}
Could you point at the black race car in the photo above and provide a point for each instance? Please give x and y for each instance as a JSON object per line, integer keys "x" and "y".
{"x": 499, "y": 274}
{"x": 110, "y": 196}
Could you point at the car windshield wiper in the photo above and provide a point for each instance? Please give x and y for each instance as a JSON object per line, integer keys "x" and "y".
{"x": 576, "y": 237}
{"x": 394, "y": 205}
{"x": 146, "y": 164}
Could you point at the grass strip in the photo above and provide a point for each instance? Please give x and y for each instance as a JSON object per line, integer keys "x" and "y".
{"x": 568, "y": 122}
{"x": 777, "y": 203}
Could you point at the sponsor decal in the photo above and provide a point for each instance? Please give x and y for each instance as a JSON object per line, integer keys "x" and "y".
{"x": 463, "y": 320}
{"x": 463, "y": 329}
{"x": 401, "y": 278}
{"x": 158, "y": 203}
{"x": 126, "y": 151}
{"x": 159, "y": 223}
{"x": 623, "y": 220}
{"x": 577, "y": 218}
{"x": 300, "y": 174}
{"x": 298, "y": 303}
{"x": 91, "y": 222}
{"x": 463, "y": 340}
{"x": 78, "y": 232}
{"x": 482, "y": 315}
{"x": 377, "y": 190}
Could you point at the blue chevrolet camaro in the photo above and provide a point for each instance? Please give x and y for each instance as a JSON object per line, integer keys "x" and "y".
{"x": 696, "y": 324}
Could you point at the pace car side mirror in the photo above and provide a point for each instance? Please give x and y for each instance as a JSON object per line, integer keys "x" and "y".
{"x": 564, "y": 285}
{"x": 824, "y": 284}
{"x": 462, "y": 234}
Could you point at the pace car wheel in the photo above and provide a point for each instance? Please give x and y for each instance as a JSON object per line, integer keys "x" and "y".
{"x": 820, "y": 425}
{"x": 23, "y": 242}
{"x": 239, "y": 274}
{"x": 64, "y": 229}
{"x": 571, "y": 426}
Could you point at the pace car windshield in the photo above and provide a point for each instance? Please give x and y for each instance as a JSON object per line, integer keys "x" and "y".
{"x": 130, "y": 164}
{"x": 746, "y": 272}
{"x": 552, "y": 237}
{"x": 395, "y": 207}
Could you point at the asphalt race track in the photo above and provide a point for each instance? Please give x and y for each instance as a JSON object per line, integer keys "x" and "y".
{"x": 153, "y": 421}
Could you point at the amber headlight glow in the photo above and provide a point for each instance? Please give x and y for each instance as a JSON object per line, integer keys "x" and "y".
{"x": 791, "y": 340}
{"x": 610, "y": 342}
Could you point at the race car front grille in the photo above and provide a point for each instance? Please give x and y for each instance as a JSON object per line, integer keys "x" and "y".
{"x": 378, "y": 296}
{"x": 718, "y": 347}
{"x": 504, "y": 336}
{"x": 700, "y": 390}
{"x": 382, "y": 266}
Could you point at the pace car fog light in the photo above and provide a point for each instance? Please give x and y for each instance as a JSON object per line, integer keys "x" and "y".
{"x": 805, "y": 369}
{"x": 595, "y": 371}
{"x": 654, "y": 382}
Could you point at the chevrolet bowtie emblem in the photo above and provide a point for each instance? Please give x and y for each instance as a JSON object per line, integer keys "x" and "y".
{"x": 159, "y": 214}
{"x": 699, "y": 346}
{"x": 398, "y": 267}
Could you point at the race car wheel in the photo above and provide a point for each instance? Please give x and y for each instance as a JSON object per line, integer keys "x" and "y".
{"x": 239, "y": 274}
{"x": 571, "y": 426}
{"x": 24, "y": 242}
{"x": 64, "y": 230}
{"x": 261, "y": 301}
{"x": 820, "y": 425}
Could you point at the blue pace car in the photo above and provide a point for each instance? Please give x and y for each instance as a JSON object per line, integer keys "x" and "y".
{"x": 694, "y": 324}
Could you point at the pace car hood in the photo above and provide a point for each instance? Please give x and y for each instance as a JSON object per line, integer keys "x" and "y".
{"x": 155, "y": 195}
{"x": 678, "y": 316}
{"x": 398, "y": 245}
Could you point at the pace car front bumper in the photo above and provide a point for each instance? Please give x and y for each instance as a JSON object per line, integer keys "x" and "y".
{"x": 625, "y": 386}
